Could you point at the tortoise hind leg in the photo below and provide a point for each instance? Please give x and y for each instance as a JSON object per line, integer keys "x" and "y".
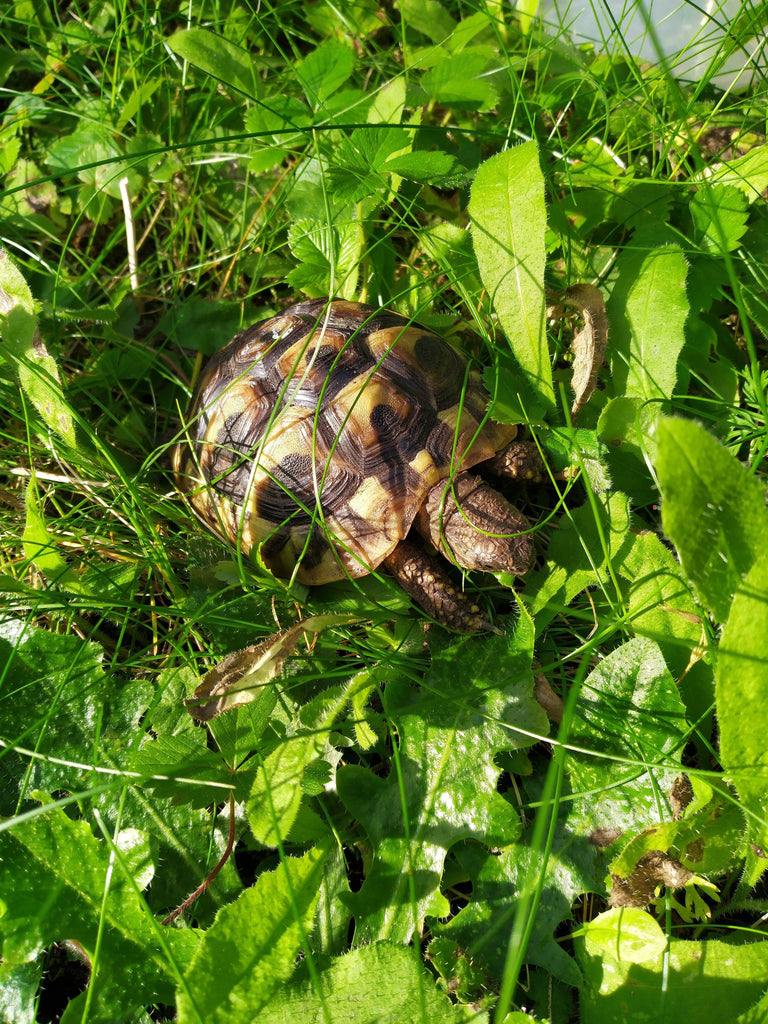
{"x": 425, "y": 580}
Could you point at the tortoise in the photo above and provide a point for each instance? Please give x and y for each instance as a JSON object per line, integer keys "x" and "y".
{"x": 337, "y": 438}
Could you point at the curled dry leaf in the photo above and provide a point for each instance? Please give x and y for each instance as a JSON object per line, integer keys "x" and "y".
{"x": 239, "y": 678}
{"x": 652, "y": 870}
{"x": 589, "y": 343}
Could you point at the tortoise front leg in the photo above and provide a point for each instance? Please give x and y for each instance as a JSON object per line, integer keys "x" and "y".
{"x": 424, "y": 579}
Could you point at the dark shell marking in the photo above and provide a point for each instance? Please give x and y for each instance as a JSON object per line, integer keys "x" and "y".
{"x": 318, "y": 433}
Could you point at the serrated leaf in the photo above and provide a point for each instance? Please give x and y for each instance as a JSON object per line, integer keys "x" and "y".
{"x": 713, "y": 511}
{"x": 55, "y": 692}
{"x": 474, "y": 702}
{"x": 742, "y": 696}
{"x": 91, "y": 897}
{"x": 217, "y": 56}
{"x": 508, "y": 224}
{"x": 329, "y": 257}
{"x": 719, "y": 218}
{"x": 748, "y": 173}
{"x": 249, "y": 951}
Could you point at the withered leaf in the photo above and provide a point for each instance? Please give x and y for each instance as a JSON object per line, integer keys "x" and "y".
{"x": 239, "y": 678}
{"x": 589, "y": 344}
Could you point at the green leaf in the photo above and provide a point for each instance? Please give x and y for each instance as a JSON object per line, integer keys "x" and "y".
{"x": 217, "y": 56}
{"x": 508, "y": 223}
{"x": 328, "y": 257}
{"x": 629, "y": 714}
{"x": 719, "y": 218}
{"x": 91, "y": 897}
{"x": 23, "y": 347}
{"x": 749, "y": 173}
{"x": 483, "y": 927}
{"x": 325, "y": 70}
{"x": 40, "y": 545}
{"x": 54, "y": 694}
{"x": 713, "y": 511}
{"x": 248, "y": 953}
{"x": 458, "y": 80}
{"x": 475, "y": 701}
{"x": 633, "y": 972}
{"x": 742, "y": 696}
{"x": 435, "y": 168}
{"x": 647, "y": 311}
{"x": 390, "y": 986}
{"x": 579, "y": 554}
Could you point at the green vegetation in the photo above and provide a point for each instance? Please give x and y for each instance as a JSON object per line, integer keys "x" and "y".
{"x": 414, "y": 839}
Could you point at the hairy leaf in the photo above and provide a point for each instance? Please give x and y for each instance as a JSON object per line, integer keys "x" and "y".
{"x": 91, "y": 897}
{"x": 248, "y": 953}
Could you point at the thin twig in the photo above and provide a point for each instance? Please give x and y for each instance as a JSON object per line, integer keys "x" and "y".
{"x": 206, "y": 882}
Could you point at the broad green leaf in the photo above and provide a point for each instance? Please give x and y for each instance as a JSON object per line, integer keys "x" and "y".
{"x": 630, "y": 716}
{"x": 428, "y": 17}
{"x": 508, "y": 223}
{"x": 476, "y": 700}
{"x": 433, "y": 168}
{"x": 24, "y": 349}
{"x": 647, "y": 311}
{"x": 389, "y": 103}
{"x": 632, "y": 972}
{"x": 390, "y": 986}
{"x": 183, "y": 769}
{"x": 217, "y": 56}
{"x": 712, "y": 510}
{"x": 742, "y": 696}
{"x": 661, "y": 606}
{"x": 325, "y": 70}
{"x": 91, "y": 896}
{"x": 57, "y": 700}
{"x": 249, "y": 952}
{"x": 482, "y": 928}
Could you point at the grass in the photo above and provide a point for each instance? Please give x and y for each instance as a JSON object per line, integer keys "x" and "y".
{"x": 413, "y": 838}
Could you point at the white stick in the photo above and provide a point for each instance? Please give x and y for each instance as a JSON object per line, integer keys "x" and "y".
{"x": 130, "y": 235}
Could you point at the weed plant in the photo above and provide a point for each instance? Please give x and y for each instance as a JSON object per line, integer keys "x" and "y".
{"x": 396, "y": 829}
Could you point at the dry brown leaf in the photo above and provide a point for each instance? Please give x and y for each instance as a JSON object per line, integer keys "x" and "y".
{"x": 239, "y": 678}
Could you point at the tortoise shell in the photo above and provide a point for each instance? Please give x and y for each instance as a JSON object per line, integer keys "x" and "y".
{"x": 316, "y": 435}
